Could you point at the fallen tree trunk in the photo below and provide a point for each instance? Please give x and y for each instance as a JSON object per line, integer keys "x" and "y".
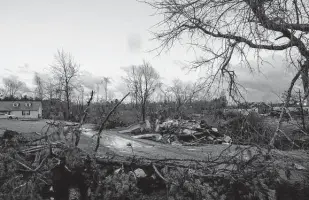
{"x": 156, "y": 136}
{"x": 136, "y": 162}
{"x": 131, "y": 129}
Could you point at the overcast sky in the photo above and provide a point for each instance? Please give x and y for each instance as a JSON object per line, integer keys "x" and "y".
{"x": 103, "y": 36}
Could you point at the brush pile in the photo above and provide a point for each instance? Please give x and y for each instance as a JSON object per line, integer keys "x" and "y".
{"x": 172, "y": 131}
{"x": 42, "y": 168}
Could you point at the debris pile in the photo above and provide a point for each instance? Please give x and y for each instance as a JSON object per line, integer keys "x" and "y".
{"x": 39, "y": 169}
{"x": 190, "y": 132}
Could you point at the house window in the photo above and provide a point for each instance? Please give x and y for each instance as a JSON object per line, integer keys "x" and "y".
{"x": 26, "y": 112}
{"x": 15, "y": 104}
{"x": 28, "y": 104}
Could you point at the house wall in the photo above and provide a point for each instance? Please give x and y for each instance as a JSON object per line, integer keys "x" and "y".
{"x": 40, "y": 112}
{"x": 33, "y": 114}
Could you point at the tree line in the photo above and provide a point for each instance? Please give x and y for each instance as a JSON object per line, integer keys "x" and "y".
{"x": 64, "y": 84}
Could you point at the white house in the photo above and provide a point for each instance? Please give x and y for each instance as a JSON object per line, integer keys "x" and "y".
{"x": 22, "y": 109}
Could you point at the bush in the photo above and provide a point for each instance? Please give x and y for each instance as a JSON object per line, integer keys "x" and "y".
{"x": 250, "y": 129}
{"x": 231, "y": 115}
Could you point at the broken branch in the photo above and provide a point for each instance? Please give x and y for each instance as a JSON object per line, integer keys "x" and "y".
{"x": 77, "y": 132}
{"x": 105, "y": 120}
{"x": 159, "y": 174}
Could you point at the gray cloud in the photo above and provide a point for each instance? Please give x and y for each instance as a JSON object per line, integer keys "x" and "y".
{"x": 24, "y": 69}
{"x": 8, "y": 70}
{"x": 267, "y": 84}
{"x": 89, "y": 80}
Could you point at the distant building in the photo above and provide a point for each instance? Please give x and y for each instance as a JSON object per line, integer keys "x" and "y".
{"x": 240, "y": 111}
{"x": 261, "y": 108}
{"x": 22, "y": 109}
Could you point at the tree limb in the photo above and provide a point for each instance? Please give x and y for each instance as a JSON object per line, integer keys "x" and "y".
{"x": 78, "y": 131}
{"x": 105, "y": 120}
{"x": 287, "y": 100}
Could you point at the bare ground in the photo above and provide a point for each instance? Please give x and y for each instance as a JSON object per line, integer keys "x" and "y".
{"x": 112, "y": 141}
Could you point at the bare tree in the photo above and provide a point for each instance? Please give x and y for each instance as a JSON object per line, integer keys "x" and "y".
{"x": 131, "y": 80}
{"x": 2, "y": 92}
{"x": 142, "y": 81}
{"x": 77, "y": 100}
{"x": 166, "y": 93}
{"x": 39, "y": 83}
{"x": 226, "y": 29}
{"x": 184, "y": 92}
{"x": 50, "y": 88}
{"x": 12, "y": 86}
{"x": 223, "y": 29}
{"x": 65, "y": 71}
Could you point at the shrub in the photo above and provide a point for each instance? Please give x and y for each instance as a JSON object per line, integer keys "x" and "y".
{"x": 250, "y": 129}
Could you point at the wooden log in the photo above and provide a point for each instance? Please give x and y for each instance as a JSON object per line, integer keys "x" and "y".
{"x": 136, "y": 128}
{"x": 156, "y": 136}
{"x": 145, "y": 163}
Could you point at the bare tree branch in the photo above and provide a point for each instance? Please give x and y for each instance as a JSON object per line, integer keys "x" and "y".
{"x": 105, "y": 120}
{"x": 224, "y": 29}
{"x": 77, "y": 130}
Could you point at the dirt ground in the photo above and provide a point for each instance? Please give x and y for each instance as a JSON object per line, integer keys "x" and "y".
{"x": 114, "y": 142}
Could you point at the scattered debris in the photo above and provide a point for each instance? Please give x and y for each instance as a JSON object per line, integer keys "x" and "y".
{"x": 298, "y": 166}
{"x": 117, "y": 171}
{"x": 57, "y": 170}
{"x": 139, "y": 128}
{"x": 139, "y": 173}
{"x": 214, "y": 129}
{"x": 227, "y": 139}
{"x": 150, "y": 136}
{"x": 178, "y": 132}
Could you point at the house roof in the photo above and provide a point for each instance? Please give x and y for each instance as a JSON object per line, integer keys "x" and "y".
{"x": 8, "y": 105}
{"x": 260, "y": 104}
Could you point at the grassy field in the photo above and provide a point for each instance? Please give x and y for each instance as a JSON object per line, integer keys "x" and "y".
{"x": 23, "y": 126}
{"x": 39, "y": 126}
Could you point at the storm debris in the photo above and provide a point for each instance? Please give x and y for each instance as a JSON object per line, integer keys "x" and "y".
{"x": 59, "y": 171}
{"x": 179, "y": 131}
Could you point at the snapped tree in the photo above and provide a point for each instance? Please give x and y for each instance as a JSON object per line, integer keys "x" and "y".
{"x": 106, "y": 80}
